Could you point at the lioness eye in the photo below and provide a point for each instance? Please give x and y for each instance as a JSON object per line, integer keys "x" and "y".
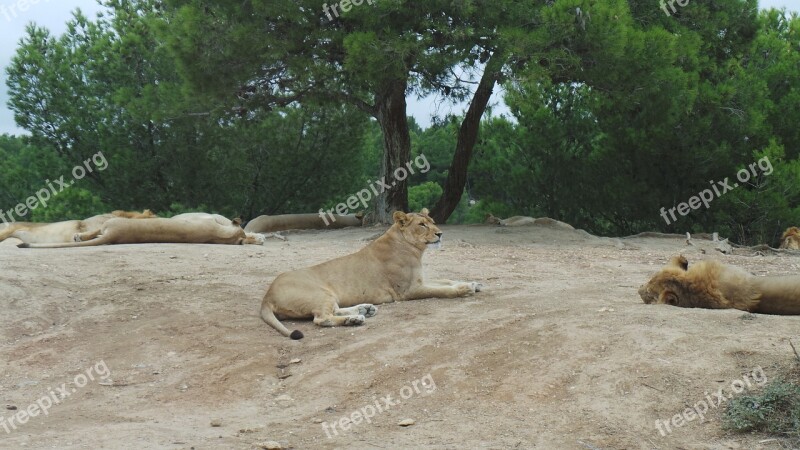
{"x": 423, "y": 225}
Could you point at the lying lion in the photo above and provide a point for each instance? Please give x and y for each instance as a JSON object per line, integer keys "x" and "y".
{"x": 791, "y": 238}
{"x": 518, "y": 221}
{"x": 336, "y": 292}
{"x": 711, "y": 284}
{"x": 64, "y": 232}
{"x": 251, "y": 238}
{"x": 179, "y": 231}
{"x": 269, "y": 224}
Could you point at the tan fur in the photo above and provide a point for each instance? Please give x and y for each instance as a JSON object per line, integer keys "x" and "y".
{"x": 130, "y": 231}
{"x": 518, "y": 221}
{"x": 711, "y": 284}
{"x": 269, "y": 224}
{"x": 63, "y": 232}
{"x": 344, "y": 290}
{"x": 250, "y": 238}
{"x": 791, "y": 238}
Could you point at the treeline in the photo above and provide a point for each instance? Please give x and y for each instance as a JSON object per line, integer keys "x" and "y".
{"x": 623, "y": 112}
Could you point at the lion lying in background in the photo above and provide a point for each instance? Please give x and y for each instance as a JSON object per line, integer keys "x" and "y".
{"x": 198, "y": 230}
{"x": 63, "y": 232}
{"x": 711, "y": 284}
{"x": 791, "y": 239}
{"x": 518, "y": 221}
{"x": 269, "y": 224}
{"x": 336, "y": 292}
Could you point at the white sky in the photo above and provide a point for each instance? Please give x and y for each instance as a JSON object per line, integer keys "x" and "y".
{"x": 53, "y": 14}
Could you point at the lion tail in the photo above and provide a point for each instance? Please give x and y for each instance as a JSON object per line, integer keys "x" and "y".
{"x": 269, "y": 317}
{"x": 101, "y": 240}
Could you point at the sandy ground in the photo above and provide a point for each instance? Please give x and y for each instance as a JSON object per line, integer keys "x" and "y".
{"x": 558, "y": 352}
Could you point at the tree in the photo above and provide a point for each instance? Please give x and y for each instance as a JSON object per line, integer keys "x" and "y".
{"x": 267, "y": 54}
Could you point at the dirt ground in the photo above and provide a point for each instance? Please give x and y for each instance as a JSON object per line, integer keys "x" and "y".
{"x": 558, "y": 352}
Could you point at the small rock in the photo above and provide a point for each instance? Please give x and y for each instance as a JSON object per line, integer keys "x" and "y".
{"x": 407, "y": 422}
{"x": 183, "y": 387}
{"x": 295, "y": 361}
{"x": 317, "y": 420}
{"x": 11, "y": 407}
{"x": 216, "y": 423}
{"x": 271, "y": 445}
{"x": 173, "y": 257}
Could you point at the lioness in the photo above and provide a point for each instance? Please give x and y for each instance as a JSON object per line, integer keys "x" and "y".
{"x": 250, "y": 238}
{"x": 388, "y": 269}
{"x": 63, "y": 232}
{"x": 791, "y": 238}
{"x": 519, "y": 221}
{"x": 269, "y": 224}
{"x": 711, "y": 284}
{"x": 181, "y": 231}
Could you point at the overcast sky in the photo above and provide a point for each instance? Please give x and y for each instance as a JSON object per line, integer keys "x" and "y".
{"x": 53, "y": 14}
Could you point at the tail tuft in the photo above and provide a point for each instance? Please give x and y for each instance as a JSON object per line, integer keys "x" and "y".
{"x": 24, "y": 245}
{"x": 296, "y": 335}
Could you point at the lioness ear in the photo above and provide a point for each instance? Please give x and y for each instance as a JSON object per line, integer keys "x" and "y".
{"x": 237, "y": 221}
{"x": 424, "y": 211}
{"x": 360, "y": 215}
{"x": 668, "y": 297}
{"x": 400, "y": 217}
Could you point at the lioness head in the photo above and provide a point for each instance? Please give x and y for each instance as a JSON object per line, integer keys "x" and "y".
{"x": 791, "y": 238}
{"x": 665, "y": 287}
{"x": 418, "y": 229}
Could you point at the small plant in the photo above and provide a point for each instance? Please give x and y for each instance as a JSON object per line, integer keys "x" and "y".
{"x": 776, "y": 409}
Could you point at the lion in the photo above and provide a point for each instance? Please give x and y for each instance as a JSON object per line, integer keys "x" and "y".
{"x": 158, "y": 230}
{"x": 389, "y": 269}
{"x": 518, "y": 221}
{"x": 791, "y": 239}
{"x": 250, "y": 238}
{"x": 63, "y": 232}
{"x": 711, "y": 284}
{"x": 269, "y": 224}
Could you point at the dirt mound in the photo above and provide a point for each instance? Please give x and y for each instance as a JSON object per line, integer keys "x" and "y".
{"x": 559, "y": 352}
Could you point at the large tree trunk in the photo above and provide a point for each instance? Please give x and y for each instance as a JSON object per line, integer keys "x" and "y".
{"x": 391, "y": 115}
{"x": 467, "y": 136}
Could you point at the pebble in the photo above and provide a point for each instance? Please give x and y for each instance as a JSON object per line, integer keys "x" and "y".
{"x": 295, "y": 361}
{"x": 216, "y": 423}
{"x": 407, "y": 422}
{"x": 271, "y": 445}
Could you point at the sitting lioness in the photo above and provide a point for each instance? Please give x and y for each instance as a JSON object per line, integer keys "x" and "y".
{"x": 343, "y": 291}
{"x": 711, "y": 284}
{"x": 791, "y": 239}
{"x": 63, "y": 232}
{"x": 179, "y": 231}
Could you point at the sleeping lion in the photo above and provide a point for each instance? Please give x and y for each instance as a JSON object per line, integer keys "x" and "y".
{"x": 344, "y": 291}
{"x": 63, "y": 232}
{"x": 711, "y": 284}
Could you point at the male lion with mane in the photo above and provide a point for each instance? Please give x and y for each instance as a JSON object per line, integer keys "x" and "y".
{"x": 791, "y": 239}
{"x": 711, "y": 284}
{"x": 344, "y": 291}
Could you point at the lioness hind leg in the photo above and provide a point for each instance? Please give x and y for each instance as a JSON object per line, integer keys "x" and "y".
{"x": 87, "y": 236}
{"x": 364, "y": 309}
{"x": 325, "y": 315}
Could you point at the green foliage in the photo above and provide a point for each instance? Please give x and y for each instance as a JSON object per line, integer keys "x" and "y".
{"x": 423, "y": 195}
{"x": 776, "y": 409}
{"x": 71, "y": 203}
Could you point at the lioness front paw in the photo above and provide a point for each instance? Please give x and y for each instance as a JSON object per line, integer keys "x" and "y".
{"x": 76, "y": 237}
{"x": 355, "y": 320}
{"x": 367, "y": 310}
{"x": 476, "y": 287}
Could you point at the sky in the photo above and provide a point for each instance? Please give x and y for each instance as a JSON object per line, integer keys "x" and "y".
{"x": 54, "y": 14}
